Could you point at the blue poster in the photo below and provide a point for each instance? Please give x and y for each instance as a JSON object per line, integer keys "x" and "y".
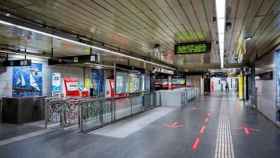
{"x": 56, "y": 83}
{"x": 27, "y": 80}
{"x": 98, "y": 81}
{"x": 277, "y": 76}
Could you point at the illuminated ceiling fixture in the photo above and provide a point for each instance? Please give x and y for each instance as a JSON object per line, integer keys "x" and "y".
{"x": 156, "y": 50}
{"x": 84, "y": 44}
{"x": 248, "y": 36}
{"x": 221, "y": 13}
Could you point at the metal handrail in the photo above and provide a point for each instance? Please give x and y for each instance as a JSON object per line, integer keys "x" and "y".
{"x": 101, "y": 111}
{"x": 65, "y": 102}
{"x": 97, "y": 112}
{"x": 115, "y": 97}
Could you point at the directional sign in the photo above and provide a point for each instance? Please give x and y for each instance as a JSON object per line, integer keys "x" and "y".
{"x": 24, "y": 62}
{"x": 174, "y": 125}
{"x": 75, "y": 59}
{"x": 192, "y": 48}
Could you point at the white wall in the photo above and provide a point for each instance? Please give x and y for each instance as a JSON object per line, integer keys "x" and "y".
{"x": 266, "y": 98}
{"x": 266, "y": 89}
{"x": 6, "y": 83}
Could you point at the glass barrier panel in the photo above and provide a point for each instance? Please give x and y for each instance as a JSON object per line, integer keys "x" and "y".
{"x": 91, "y": 115}
{"x": 123, "y": 108}
{"x": 137, "y": 104}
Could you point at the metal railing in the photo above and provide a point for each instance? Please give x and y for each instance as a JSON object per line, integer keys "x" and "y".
{"x": 93, "y": 113}
{"x": 96, "y": 113}
{"x": 67, "y": 111}
{"x": 62, "y": 112}
{"x": 54, "y": 107}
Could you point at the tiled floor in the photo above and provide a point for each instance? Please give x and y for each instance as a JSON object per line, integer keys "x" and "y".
{"x": 11, "y": 130}
{"x": 210, "y": 127}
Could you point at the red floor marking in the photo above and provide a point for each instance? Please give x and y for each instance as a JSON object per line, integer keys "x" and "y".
{"x": 254, "y": 130}
{"x": 202, "y": 129}
{"x": 194, "y": 108}
{"x": 206, "y": 120}
{"x": 195, "y": 144}
{"x": 246, "y": 130}
{"x": 174, "y": 125}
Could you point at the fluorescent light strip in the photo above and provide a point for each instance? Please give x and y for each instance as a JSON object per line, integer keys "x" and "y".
{"x": 83, "y": 44}
{"x": 221, "y": 13}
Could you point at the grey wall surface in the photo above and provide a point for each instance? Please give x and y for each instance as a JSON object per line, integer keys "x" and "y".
{"x": 266, "y": 98}
{"x": 266, "y": 89}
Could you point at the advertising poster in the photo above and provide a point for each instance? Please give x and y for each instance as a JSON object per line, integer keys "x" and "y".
{"x": 27, "y": 80}
{"x": 98, "y": 81}
{"x": 277, "y": 77}
{"x": 88, "y": 83}
{"x": 56, "y": 83}
{"x": 72, "y": 86}
{"x": 133, "y": 83}
{"x": 121, "y": 83}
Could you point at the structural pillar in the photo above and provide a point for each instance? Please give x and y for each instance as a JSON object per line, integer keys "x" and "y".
{"x": 241, "y": 86}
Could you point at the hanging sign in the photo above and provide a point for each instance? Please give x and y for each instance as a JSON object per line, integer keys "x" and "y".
{"x": 192, "y": 48}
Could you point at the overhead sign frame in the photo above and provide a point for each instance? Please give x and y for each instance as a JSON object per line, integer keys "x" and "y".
{"x": 24, "y": 62}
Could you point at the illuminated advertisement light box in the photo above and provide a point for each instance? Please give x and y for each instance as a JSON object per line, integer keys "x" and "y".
{"x": 192, "y": 48}
{"x": 71, "y": 86}
{"x": 56, "y": 83}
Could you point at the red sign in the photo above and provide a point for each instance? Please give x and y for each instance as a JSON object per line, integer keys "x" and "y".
{"x": 71, "y": 86}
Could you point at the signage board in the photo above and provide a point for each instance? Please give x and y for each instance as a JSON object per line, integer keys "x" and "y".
{"x": 23, "y": 62}
{"x": 162, "y": 70}
{"x": 75, "y": 59}
{"x": 192, "y": 48}
{"x": 71, "y": 86}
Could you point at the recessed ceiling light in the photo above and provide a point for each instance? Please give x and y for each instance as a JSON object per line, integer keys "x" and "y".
{"x": 221, "y": 19}
{"x": 248, "y": 38}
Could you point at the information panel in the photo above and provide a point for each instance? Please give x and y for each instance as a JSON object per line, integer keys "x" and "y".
{"x": 192, "y": 48}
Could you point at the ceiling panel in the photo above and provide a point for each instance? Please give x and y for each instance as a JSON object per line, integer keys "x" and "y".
{"x": 137, "y": 25}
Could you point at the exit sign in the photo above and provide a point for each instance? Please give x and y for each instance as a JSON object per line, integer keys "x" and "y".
{"x": 192, "y": 48}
